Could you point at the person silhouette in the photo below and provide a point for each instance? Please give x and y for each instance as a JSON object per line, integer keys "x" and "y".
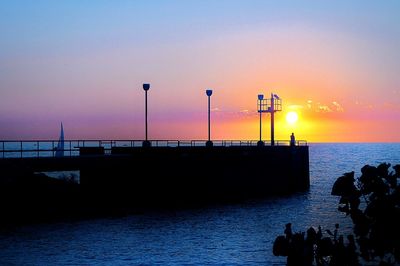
{"x": 292, "y": 140}
{"x": 288, "y": 231}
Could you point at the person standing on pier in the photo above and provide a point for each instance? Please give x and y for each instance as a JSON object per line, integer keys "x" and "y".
{"x": 292, "y": 140}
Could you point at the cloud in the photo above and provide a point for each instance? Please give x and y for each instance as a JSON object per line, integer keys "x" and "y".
{"x": 247, "y": 113}
{"x": 309, "y": 104}
{"x": 324, "y": 108}
{"x": 296, "y": 106}
{"x": 339, "y": 108}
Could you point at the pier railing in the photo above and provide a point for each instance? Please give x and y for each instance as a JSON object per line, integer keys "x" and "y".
{"x": 48, "y": 148}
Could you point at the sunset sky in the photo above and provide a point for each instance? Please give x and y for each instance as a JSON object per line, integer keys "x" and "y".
{"x": 335, "y": 63}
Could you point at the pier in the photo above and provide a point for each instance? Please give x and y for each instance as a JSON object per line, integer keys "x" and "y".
{"x": 167, "y": 172}
{"x": 157, "y": 172}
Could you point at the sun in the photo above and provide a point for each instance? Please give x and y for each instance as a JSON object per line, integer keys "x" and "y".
{"x": 292, "y": 117}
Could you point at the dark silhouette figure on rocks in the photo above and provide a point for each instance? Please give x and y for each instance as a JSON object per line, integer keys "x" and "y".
{"x": 372, "y": 203}
{"x": 288, "y": 231}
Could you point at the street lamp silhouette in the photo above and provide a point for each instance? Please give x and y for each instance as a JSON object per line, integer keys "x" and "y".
{"x": 146, "y": 87}
{"x": 209, "y": 143}
{"x": 276, "y": 105}
{"x": 260, "y": 98}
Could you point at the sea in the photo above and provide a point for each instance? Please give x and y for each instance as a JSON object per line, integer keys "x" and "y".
{"x": 237, "y": 234}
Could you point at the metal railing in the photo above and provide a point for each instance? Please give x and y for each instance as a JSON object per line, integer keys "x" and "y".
{"x": 48, "y": 148}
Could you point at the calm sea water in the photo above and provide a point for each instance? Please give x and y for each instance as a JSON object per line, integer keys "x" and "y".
{"x": 235, "y": 234}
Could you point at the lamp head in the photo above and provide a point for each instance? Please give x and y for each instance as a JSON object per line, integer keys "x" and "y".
{"x": 209, "y": 92}
{"x": 260, "y": 97}
{"x": 146, "y": 86}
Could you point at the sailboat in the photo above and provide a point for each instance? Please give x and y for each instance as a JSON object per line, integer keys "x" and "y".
{"x": 60, "y": 145}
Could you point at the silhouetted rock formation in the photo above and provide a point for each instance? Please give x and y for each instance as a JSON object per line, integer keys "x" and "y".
{"x": 376, "y": 223}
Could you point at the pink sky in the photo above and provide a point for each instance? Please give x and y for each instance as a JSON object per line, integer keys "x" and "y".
{"x": 334, "y": 64}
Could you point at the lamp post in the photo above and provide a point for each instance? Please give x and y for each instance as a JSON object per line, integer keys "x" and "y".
{"x": 260, "y": 98}
{"x": 146, "y": 87}
{"x": 276, "y": 105}
{"x": 272, "y": 120}
{"x": 209, "y": 143}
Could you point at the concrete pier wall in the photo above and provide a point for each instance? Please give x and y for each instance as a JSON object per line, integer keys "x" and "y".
{"x": 180, "y": 175}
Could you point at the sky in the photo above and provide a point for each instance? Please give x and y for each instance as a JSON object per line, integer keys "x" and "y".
{"x": 335, "y": 63}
